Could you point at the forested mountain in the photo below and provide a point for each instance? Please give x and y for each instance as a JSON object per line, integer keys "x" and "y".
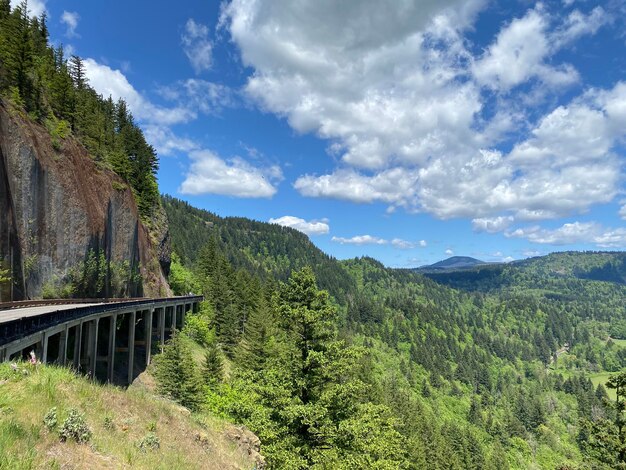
{"x": 454, "y": 262}
{"x": 504, "y": 373}
{"x": 267, "y": 250}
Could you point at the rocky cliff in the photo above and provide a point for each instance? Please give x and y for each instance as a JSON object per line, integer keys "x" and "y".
{"x": 60, "y": 210}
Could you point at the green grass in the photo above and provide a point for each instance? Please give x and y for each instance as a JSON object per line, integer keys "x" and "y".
{"x": 119, "y": 419}
{"x": 601, "y": 378}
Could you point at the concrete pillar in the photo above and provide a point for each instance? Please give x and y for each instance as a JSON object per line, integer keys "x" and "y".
{"x": 162, "y": 327}
{"x": 148, "y": 318}
{"x": 44, "y": 347}
{"x": 131, "y": 345}
{"x": 63, "y": 345}
{"x": 78, "y": 339}
{"x": 174, "y": 315}
{"x": 111, "y": 355}
{"x": 93, "y": 346}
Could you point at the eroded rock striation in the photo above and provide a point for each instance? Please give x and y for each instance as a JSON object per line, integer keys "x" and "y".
{"x": 58, "y": 206}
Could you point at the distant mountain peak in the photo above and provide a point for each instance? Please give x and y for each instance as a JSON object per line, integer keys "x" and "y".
{"x": 455, "y": 262}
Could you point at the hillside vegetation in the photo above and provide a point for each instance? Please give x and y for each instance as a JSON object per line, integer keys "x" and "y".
{"x": 124, "y": 428}
{"x": 498, "y": 378}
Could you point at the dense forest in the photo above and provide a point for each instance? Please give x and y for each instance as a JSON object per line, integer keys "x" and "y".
{"x": 507, "y": 372}
{"x": 348, "y": 364}
{"x": 51, "y": 88}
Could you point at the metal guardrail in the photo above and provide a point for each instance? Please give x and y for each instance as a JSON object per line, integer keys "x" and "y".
{"x": 19, "y": 328}
{"x": 37, "y": 303}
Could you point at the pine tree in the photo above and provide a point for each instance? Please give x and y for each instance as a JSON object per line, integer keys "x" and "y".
{"x": 213, "y": 365}
{"x": 176, "y": 373}
{"x": 77, "y": 72}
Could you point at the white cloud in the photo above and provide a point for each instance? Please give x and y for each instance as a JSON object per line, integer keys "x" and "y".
{"x": 166, "y": 142}
{"x": 492, "y": 225}
{"x": 313, "y": 227}
{"x": 422, "y": 243}
{"x": 70, "y": 19}
{"x": 197, "y": 45}
{"x": 522, "y": 48}
{"x": 35, "y": 7}
{"x": 110, "y": 82}
{"x": 622, "y": 212}
{"x": 406, "y": 107}
{"x": 394, "y": 186}
{"x": 449, "y": 252}
{"x": 360, "y": 240}
{"x": 571, "y": 233}
{"x": 209, "y": 174}
{"x": 403, "y": 244}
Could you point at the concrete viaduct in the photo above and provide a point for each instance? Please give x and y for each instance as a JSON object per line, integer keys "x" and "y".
{"x": 111, "y": 341}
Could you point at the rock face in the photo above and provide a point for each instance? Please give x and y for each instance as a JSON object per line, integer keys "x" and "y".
{"x": 57, "y": 205}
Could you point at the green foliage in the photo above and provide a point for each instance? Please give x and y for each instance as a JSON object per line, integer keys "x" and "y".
{"x": 213, "y": 365}
{"x": 176, "y": 373}
{"x": 149, "y": 442}
{"x": 181, "y": 279}
{"x": 75, "y": 428}
{"x": 50, "y": 420}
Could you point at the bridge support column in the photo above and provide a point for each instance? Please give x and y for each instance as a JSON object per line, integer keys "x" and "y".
{"x": 78, "y": 340}
{"x": 174, "y": 315}
{"x": 44, "y": 347}
{"x": 148, "y": 325}
{"x": 131, "y": 345}
{"x": 93, "y": 347}
{"x": 162, "y": 327}
{"x": 63, "y": 345}
{"x": 111, "y": 355}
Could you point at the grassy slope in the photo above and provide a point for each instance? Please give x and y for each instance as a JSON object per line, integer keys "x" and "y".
{"x": 185, "y": 441}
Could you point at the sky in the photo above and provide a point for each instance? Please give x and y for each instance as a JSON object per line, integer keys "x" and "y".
{"x": 409, "y": 131}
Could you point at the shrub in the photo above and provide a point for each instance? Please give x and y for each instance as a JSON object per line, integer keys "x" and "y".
{"x": 74, "y": 427}
{"x": 50, "y": 419}
{"x": 149, "y": 442}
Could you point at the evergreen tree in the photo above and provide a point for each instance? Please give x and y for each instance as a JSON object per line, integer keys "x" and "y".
{"x": 176, "y": 373}
{"x": 213, "y": 365}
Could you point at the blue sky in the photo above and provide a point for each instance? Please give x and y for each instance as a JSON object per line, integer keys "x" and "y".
{"x": 404, "y": 130}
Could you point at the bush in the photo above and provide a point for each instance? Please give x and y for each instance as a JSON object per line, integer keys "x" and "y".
{"x": 75, "y": 427}
{"x": 149, "y": 442}
{"x": 50, "y": 419}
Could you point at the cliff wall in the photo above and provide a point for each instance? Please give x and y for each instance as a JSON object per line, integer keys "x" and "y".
{"x": 58, "y": 207}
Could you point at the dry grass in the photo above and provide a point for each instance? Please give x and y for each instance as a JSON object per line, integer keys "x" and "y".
{"x": 118, "y": 418}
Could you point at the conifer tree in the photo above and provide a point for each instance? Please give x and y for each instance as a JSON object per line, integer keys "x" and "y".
{"x": 176, "y": 373}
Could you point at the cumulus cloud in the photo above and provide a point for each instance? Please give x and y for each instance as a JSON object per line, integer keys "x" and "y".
{"x": 449, "y": 252}
{"x": 370, "y": 240}
{"x": 111, "y": 82}
{"x": 70, "y": 20}
{"x": 360, "y": 240}
{"x": 35, "y": 7}
{"x": 210, "y": 174}
{"x": 576, "y": 232}
{"x": 402, "y": 101}
{"x": 423, "y": 243}
{"x": 313, "y": 227}
{"x": 492, "y": 225}
{"x": 197, "y": 45}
